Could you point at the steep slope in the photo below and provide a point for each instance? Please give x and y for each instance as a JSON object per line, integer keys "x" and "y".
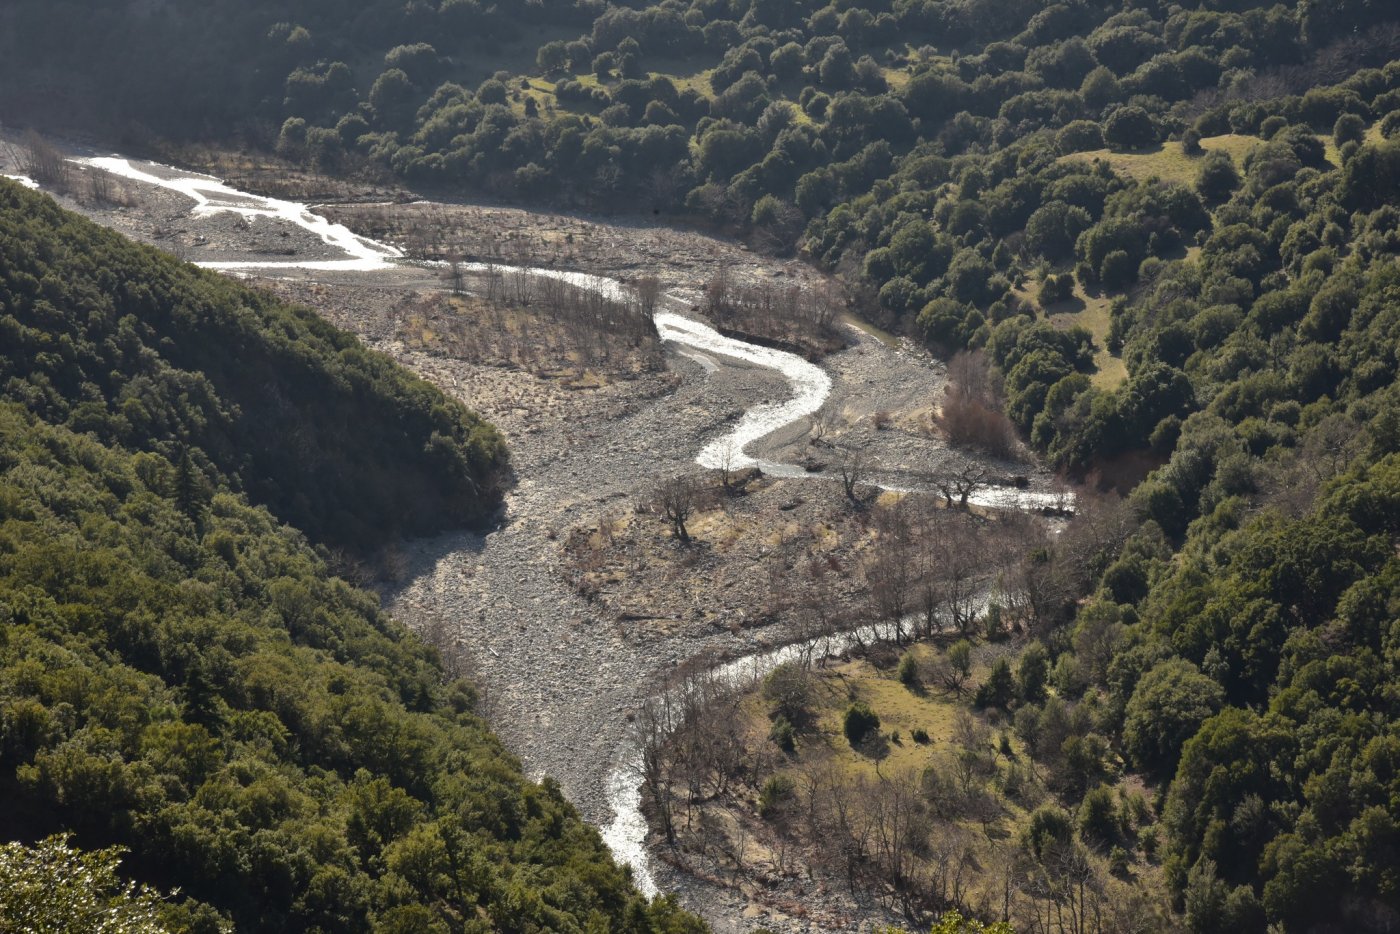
{"x": 123, "y": 342}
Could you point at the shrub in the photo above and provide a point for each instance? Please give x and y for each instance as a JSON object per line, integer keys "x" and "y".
{"x": 783, "y": 735}
{"x": 909, "y": 670}
{"x": 999, "y": 689}
{"x": 789, "y": 689}
{"x": 1098, "y": 817}
{"x": 1130, "y": 128}
{"x": 1349, "y": 128}
{"x": 1118, "y": 270}
{"x": 1118, "y": 861}
{"x": 1056, "y": 289}
{"x": 776, "y": 790}
{"x": 1049, "y": 828}
{"x": 971, "y": 414}
{"x": 1032, "y": 673}
{"x": 1079, "y": 136}
{"x": 859, "y": 722}
{"x": 1149, "y": 843}
{"x": 1272, "y": 126}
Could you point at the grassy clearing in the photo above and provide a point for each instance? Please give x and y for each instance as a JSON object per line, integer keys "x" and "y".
{"x": 1334, "y": 154}
{"x": 897, "y": 78}
{"x": 1167, "y": 161}
{"x": 1091, "y": 312}
{"x": 699, "y": 82}
{"x": 901, "y": 712}
{"x": 975, "y": 775}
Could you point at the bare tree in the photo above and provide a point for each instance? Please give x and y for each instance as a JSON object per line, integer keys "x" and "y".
{"x": 652, "y": 725}
{"x": 819, "y": 425}
{"x": 648, "y": 291}
{"x": 891, "y": 573}
{"x": 43, "y": 162}
{"x": 456, "y": 274}
{"x": 953, "y": 567}
{"x": 853, "y": 471}
{"x": 900, "y": 828}
{"x": 962, "y": 484}
{"x": 726, "y": 467}
{"x": 676, "y": 499}
{"x": 971, "y": 413}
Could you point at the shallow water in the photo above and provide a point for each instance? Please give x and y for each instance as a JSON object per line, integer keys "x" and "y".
{"x": 211, "y": 196}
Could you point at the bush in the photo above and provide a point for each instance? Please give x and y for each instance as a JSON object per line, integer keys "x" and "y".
{"x": 1049, "y": 828}
{"x": 1056, "y": 289}
{"x": 919, "y": 735}
{"x": 789, "y": 689}
{"x": 1032, "y": 673}
{"x": 1079, "y": 136}
{"x": 776, "y": 790}
{"x": 1272, "y": 126}
{"x": 909, "y": 670}
{"x": 1218, "y": 178}
{"x": 783, "y": 735}
{"x": 999, "y": 689}
{"x": 859, "y": 722}
{"x": 1098, "y": 816}
{"x": 1118, "y": 861}
{"x": 1349, "y": 128}
{"x": 1118, "y": 270}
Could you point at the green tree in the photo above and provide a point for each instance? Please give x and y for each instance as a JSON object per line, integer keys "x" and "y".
{"x": 999, "y": 690}
{"x": 1130, "y": 127}
{"x": 1168, "y": 706}
{"x": 859, "y": 722}
{"x": 1217, "y": 178}
{"x": 1032, "y": 673}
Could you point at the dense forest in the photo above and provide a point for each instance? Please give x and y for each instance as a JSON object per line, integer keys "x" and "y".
{"x": 1170, "y": 229}
{"x": 238, "y": 391}
{"x": 182, "y": 676}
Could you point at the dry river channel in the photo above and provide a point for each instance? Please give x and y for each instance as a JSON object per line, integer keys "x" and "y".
{"x": 560, "y": 681}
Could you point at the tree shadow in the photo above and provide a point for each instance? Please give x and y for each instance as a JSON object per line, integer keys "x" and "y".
{"x": 1066, "y": 306}
{"x": 875, "y": 746}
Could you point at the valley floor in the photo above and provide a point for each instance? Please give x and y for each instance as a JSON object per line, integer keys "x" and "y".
{"x": 562, "y": 674}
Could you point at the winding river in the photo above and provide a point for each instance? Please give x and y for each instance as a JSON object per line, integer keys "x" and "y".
{"x": 626, "y": 833}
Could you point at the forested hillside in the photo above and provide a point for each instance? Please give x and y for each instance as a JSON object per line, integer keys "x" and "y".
{"x": 148, "y": 354}
{"x": 180, "y": 673}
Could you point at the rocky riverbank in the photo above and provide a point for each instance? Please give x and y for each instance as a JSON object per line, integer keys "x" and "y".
{"x": 560, "y": 674}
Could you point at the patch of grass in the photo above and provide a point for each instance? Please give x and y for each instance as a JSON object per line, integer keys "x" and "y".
{"x": 900, "y": 710}
{"x": 699, "y": 82}
{"x": 1091, "y": 312}
{"x": 1166, "y": 160}
{"x": 1334, "y": 154}
{"x": 897, "y": 78}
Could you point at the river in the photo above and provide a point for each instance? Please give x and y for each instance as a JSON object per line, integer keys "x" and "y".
{"x": 809, "y": 385}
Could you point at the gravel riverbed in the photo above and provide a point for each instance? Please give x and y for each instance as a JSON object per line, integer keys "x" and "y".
{"x": 559, "y": 676}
